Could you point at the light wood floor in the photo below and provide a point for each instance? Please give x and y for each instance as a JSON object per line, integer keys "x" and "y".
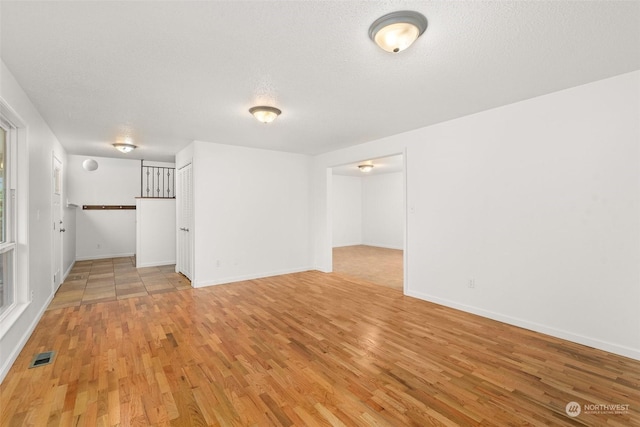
{"x": 304, "y": 349}
{"x": 115, "y": 278}
{"x": 376, "y": 265}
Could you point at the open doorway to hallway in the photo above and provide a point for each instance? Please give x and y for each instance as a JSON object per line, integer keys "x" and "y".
{"x": 368, "y": 216}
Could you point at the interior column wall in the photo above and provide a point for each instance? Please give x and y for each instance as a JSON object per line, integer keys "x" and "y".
{"x": 251, "y": 212}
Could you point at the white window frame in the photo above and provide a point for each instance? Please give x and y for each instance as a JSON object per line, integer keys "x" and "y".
{"x": 9, "y": 245}
{"x": 16, "y": 162}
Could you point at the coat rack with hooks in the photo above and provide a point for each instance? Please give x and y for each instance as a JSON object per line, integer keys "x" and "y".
{"x": 107, "y": 207}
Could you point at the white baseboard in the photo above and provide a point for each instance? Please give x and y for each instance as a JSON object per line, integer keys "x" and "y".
{"x": 533, "y": 326}
{"x": 154, "y": 263}
{"x": 213, "y": 282}
{"x": 342, "y": 245}
{"x": 380, "y": 245}
{"x": 66, "y": 273}
{"x": 8, "y": 363}
{"x": 89, "y": 258}
{"x": 377, "y": 245}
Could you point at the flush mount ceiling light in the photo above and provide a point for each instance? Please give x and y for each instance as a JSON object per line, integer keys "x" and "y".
{"x": 125, "y": 148}
{"x": 265, "y": 114}
{"x": 396, "y": 31}
{"x": 365, "y": 168}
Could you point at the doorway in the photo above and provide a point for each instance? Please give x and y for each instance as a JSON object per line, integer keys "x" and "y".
{"x": 58, "y": 228}
{"x": 184, "y": 199}
{"x": 368, "y": 220}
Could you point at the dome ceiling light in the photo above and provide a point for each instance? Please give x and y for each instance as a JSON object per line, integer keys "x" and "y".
{"x": 396, "y": 31}
{"x": 125, "y": 148}
{"x": 265, "y": 114}
{"x": 365, "y": 168}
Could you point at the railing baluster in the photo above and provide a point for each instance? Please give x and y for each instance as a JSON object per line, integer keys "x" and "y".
{"x": 147, "y": 167}
{"x": 155, "y": 183}
{"x": 168, "y": 182}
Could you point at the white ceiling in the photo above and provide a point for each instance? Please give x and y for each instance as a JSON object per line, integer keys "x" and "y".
{"x": 167, "y": 73}
{"x": 381, "y": 165}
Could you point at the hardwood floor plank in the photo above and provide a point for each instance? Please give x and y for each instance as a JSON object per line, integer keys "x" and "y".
{"x": 304, "y": 349}
{"x": 377, "y": 265}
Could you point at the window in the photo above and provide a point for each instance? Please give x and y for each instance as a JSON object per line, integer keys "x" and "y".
{"x": 3, "y": 179}
{"x": 7, "y": 231}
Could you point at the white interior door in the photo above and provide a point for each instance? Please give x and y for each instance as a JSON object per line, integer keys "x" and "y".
{"x": 185, "y": 222}
{"x": 58, "y": 229}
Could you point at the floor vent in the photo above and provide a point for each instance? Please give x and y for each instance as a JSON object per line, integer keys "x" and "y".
{"x": 42, "y": 359}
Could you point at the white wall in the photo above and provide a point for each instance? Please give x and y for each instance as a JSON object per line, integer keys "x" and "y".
{"x": 34, "y": 218}
{"x": 109, "y": 233}
{"x": 383, "y": 210}
{"x": 155, "y": 228}
{"x": 251, "y": 212}
{"x": 368, "y": 210}
{"x": 347, "y": 210}
{"x": 537, "y": 201}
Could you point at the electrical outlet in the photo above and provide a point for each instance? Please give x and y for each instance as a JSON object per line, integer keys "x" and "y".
{"x": 472, "y": 283}
{"x": 98, "y": 246}
{"x": 32, "y": 295}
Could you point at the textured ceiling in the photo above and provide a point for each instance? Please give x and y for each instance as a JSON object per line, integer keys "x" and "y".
{"x": 167, "y": 73}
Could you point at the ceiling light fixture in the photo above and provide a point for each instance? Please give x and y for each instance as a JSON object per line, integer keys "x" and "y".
{"x": 125, "y": 148}
{"x": 265, "y": 114}
{"x": 90, "y": 165}
{"x": 365, "y": 168}
{"x": 396, "y": 31}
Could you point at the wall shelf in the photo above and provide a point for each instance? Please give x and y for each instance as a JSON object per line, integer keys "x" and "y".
{"x": 108, "y": 207}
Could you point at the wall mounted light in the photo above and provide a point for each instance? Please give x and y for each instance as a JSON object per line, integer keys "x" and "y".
{"x": 90, "y": 165}
{"x": 125, "y": 148}
{"x": 396, "y": 31}
{"x": 365, "y": 168}
{"x": 265, "y": 114}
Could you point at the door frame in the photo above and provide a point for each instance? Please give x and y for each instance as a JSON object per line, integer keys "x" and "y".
{"x": 179, "y": 224}
{"x": 56, "y": 188}
{"x": 328, "y": 246}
